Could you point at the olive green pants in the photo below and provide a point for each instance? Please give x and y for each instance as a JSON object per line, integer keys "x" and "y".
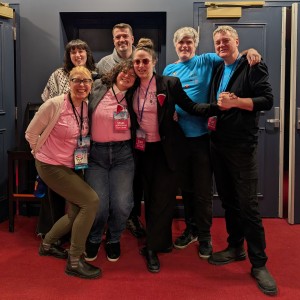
{"x": 82, "y": 200}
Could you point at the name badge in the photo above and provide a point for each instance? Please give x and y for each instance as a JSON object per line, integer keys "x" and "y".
{"x": 81, "y": 158}
{"x": 140, "y": 141}
{"x": 212, "y": 123}
{"x": 121, "y": 120}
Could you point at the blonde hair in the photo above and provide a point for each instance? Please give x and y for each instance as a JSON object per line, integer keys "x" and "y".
{"x": 186, "y": 32}
{"x": 146, "y": 45}
{"x": 226, "y": 28}
{"x": 80, "y": 70}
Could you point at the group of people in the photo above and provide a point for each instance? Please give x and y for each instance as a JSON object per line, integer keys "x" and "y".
{"x": 102, "y": 141}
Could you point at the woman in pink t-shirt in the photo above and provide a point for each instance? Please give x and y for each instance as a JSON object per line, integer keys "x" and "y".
{"x": 161, "y": 147}
{"x": 58, "y": 138}
{"x": 111, "y": 165}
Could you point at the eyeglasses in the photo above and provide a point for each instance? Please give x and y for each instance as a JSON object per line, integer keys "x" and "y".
{"x": 79, "y": 81}
{"x": 145, "y": 61}
{"x": 130, "y": 74}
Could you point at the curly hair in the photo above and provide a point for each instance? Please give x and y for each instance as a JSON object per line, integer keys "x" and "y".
{"x": 111, "y": 77}
{"x": 78, "y": 44}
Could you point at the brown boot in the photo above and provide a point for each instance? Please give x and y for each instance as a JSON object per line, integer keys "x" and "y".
{"x": 77, "y": 266}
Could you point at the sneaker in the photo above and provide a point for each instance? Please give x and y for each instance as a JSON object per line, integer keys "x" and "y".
{"x": 113, "y": 251}
{"x": 135, "y": 226}
{"x": 91, "y": 251}
{"x": 185, "y": 239}
{"x": 228, "y": 255}
{"x": 265, "y": 281}
{"x": 205, "y": 249}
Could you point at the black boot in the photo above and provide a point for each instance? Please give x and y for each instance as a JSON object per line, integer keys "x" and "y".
{"x": 53, "y": 250}
{"x": 265, "y": 281}
{"x": 77, "y": 266}
{"x": 153, "y": 264}
{"x": 228, "y": 255}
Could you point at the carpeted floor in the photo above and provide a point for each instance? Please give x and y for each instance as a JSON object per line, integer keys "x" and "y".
{"x": 26, "y": 275}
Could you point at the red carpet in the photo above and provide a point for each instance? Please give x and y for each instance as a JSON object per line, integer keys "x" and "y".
{"x": 26, "y": 275}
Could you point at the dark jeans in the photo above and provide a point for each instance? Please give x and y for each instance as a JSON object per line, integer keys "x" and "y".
{"x": 197, "y": 188}
{"x": 110, "y": 174}
{"x": 235, "y": 170}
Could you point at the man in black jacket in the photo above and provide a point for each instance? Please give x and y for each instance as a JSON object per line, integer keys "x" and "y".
{"x": 241, "y": 92}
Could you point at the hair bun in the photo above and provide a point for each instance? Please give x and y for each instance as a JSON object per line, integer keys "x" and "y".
{"x": 145, "y": 43}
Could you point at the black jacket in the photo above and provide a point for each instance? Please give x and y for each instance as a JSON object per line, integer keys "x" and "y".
{"x": 171, "y": 134}
{"x": 237, "y": 126}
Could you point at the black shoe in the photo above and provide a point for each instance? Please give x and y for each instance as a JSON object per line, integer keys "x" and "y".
{"x": 227, "y": 256}
{"x": 113, "y": 251}
{"x": 205, "y": 249}
{"x": 82, "y": 269}
{"x": 185, "y": 239}
{"x": 55, "y": 251}
{"x": 135, "y": 226}
{"x": 265, "y": 281}
{"x": 91, "y": 251}
{"x": 153, "y": 264}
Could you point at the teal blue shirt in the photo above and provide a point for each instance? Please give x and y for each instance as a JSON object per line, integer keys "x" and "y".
{"x": 195, "y": 76}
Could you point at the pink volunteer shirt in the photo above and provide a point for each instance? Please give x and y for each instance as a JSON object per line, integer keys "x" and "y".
{"x": 102, "y": 129}
{"x": 147, "y": 108}
{"x": 62, "y": 141}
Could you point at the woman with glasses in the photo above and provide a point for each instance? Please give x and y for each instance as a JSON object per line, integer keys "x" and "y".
{"x": 111, "y": 165}
{"x": 160, "y": 145}
{"x": 77, "y": 53}
{"x": 58, "y": 138}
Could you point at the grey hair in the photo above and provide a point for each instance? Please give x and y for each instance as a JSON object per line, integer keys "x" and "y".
{"x": 186, "y": 32}
{"x": 226, "y": 28}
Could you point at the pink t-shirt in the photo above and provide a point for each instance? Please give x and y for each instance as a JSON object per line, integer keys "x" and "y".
{"x": 102, "y": 129}
{"x": 59, "y": 147}
{"x": 145, "y": 106}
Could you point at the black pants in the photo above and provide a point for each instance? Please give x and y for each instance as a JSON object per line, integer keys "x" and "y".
{"x": 197, "y": 187}
{"x": 160, "y": 188}
{"x": 235, "y": 170}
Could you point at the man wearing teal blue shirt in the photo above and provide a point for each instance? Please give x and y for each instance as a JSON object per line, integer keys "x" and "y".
{"x": 195, "y": 73}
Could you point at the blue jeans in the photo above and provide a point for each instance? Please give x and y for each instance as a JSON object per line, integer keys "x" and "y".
{"x": 110, "y": 174}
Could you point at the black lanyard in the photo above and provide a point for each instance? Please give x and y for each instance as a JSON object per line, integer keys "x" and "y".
{"x": 141, "y": 112}
{"x": 116, "y": 96}
{"x": 76, "y": 114}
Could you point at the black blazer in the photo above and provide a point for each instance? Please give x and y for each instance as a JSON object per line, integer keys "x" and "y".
{"x": 171, "y": 134}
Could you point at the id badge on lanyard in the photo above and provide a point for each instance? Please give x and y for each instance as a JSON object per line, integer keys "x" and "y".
{"x": 120, "y": 118}
{"x": 140, "y": 141}
{"x": 81, "y": 153}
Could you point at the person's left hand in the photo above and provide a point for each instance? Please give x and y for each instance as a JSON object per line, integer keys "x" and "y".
{"x": 227, "y": 100}
{"x": 253, "y": 57}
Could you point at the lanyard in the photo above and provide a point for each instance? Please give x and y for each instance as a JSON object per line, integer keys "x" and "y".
{"x": 76, "y": 114}
{"x": 118, "y": 101}
{"x": 141, "y": 112}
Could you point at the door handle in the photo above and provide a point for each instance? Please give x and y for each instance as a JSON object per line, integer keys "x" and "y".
{"x": 298, "y": 118}
{"x": 276, "y": 120}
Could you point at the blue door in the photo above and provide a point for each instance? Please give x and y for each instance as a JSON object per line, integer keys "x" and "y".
{"x": 7, "y": 105}
{"x": 294, "y": 128}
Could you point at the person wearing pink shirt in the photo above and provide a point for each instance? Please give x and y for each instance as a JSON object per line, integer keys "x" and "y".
{"x": 58, "y": 138}
{"x": 111, "y": 164}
